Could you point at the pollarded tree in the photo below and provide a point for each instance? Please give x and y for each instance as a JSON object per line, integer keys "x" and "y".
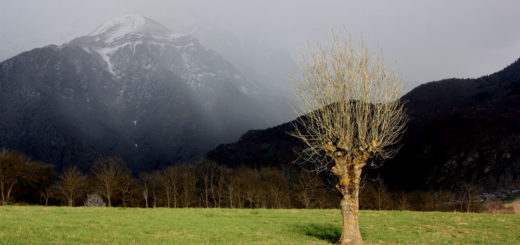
{"x": 352, "y": 114}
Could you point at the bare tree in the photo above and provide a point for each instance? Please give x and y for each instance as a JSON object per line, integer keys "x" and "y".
{"x": 276, "y": 185}
{"x": 249, "y": 182}
{"x": 401, "y": 199}
{"x": 46, "y": 194}
{"x": 188, "y": 185}
{"x": 11, "y": 172}
{"x": 207, "y": 171}
{"x": 220, "y": 190}
{"x": 70, "y": 185}
{"x": 125, "y": 185}
{"x": 147, "y": 187}
{"x": 215, "y": 186}
{"x": 352, "y": 113}
{"x": 470, "y": 195}
{"x": 16, "y": 168}
{"x": 154, "y": 187}
{"x": 170, "y": 180}
{"x": 306, "y": 185}
{"x": 107, "y": 172}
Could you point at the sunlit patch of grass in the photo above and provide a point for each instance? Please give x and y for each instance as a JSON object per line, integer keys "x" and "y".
{"x": 63, "y": 225}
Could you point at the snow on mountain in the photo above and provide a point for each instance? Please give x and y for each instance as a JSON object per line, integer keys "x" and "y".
{"x": 133, "y": 35}
{"x": 118, "y": 28}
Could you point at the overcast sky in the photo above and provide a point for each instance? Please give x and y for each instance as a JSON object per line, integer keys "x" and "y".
{"x": 426, "y": 40}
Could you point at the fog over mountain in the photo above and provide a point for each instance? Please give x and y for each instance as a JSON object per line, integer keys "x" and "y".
{"x": 131, "y": 88}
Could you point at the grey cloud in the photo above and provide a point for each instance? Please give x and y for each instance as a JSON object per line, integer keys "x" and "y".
{"x": 426, "y": 40}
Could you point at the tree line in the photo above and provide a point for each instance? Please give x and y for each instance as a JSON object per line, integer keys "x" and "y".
{"x": 202, "y": 184}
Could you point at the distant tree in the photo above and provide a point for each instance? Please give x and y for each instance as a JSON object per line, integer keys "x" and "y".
{"x": 154, "y": 187}
{"x": 231, "y": 185}
{"x": 276, "y": 186}
{"x": 169, "y": 180}
{"x": 188, "y": 185}
{"x": 470, "y": 196}
{"x": 215, "y": 191}
{"x": 249, "y": 179}
{"x": 11, "y": 172}
{"x": 401, "y": 199}
{"x": 207, "y": 171}
{"x": 70, "y": 185}
{"x": 306, "y": 185}
{"x": 17, "y": 169}
{"x": 148, "y": 182}
{"x": 352, "y": 114}
{"x": 107, "y": 172}
{"x": 220, "y": 191}
{"x": 125, "y": 184}
{"x": 46, "y": 194}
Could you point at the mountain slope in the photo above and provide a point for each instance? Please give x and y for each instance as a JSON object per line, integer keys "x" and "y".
{"x": 132, "y": 88}
{"x": 460, "y": 130}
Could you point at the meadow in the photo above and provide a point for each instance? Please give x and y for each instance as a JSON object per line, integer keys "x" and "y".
{"x": 82, "y": 225}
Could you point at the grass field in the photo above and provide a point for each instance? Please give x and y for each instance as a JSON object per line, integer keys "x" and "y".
{"x": 62, "y": 225}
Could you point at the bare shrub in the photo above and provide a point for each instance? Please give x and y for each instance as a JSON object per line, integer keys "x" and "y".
{"x": 94, "y": 200}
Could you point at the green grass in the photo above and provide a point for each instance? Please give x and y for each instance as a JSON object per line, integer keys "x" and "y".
{"x": 61, "y": 225}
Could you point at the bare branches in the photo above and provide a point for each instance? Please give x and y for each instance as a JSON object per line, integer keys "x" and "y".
{"x": 350, "y": 102}
{"x": 70, "y": 185}
{"x": 352, "y": 113}
{"x": 107, "y": 172}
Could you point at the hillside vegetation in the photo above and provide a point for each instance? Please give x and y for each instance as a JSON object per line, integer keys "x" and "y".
{"x": 62, "y": 225}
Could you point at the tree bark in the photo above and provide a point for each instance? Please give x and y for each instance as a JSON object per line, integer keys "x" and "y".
{"x": 350, "y": 233}
{"x": 349, "y": 173}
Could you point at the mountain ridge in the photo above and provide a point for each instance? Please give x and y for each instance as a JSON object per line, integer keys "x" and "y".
{"x": 460, "y": 131}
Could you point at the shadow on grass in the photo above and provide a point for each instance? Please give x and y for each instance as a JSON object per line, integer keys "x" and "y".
{"x": 327, "y": 232}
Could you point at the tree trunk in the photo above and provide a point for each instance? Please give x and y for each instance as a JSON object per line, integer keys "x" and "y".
{"x": 9, "y": 192}
{"x": 168, "y": 198}
{"x": 154, "y": 200}
{"x": 109, "y": 201}
{"x": 350, "y": 233}
{"x": 349, "y": 173}
{"x": 206, "y": 192}
{"x": 3, "y": 194}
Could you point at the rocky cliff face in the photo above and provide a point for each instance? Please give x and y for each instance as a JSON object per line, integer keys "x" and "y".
{"x": 131, "y": 88}
{"x": 460, "y": 131}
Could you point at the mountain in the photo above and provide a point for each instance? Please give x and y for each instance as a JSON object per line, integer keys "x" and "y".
{"x": 460, "y": 131}
{"x": 131, "y": 88}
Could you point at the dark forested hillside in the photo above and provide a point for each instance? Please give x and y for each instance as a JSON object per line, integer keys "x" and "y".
{"x": 460, "y": 131}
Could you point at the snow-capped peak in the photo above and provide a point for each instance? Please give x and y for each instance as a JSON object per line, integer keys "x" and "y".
{"x": 119, "y": 27}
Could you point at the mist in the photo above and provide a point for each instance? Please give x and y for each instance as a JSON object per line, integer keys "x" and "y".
{"x": 424, "y": 40}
